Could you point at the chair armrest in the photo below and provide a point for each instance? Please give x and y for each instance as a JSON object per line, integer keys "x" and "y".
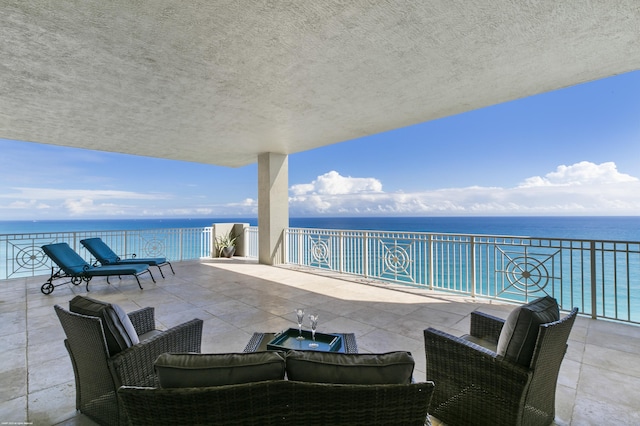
{"x": 471, "y": 379}
{"x": 143, "y": 320}
{"x": 485, "y": 326}
{"x": 134, "y": 365}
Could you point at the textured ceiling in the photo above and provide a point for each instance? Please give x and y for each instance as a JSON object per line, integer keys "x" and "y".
{"x": 221, "y": 81}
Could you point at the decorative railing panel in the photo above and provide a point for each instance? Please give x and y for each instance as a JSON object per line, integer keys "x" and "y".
{"x": 601, "y": 278}
{"x": 23, "y": 256}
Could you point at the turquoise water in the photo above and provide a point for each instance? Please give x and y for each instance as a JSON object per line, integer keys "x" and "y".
{"x": 597, "y": 228}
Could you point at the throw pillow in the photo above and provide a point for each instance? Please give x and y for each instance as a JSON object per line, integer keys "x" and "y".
{"x": 201, "y": 370}
{"x": 364, "y": 369}
{"x": 118, "y": 329}
{"x": 518, "y": 336}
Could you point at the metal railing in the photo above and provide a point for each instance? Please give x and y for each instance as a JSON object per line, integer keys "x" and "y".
{"x": 23, "y": 256}
{"x": 601, "y": 278}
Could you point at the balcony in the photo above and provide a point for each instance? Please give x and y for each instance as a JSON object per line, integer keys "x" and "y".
{"x": 235, "y": 297}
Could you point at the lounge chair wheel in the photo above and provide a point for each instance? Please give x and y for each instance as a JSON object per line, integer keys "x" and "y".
{"x": 76, "y": 280}
{"x": 47, "y": 288}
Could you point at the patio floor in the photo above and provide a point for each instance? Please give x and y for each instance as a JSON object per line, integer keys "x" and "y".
{"x": 598, "y": 380}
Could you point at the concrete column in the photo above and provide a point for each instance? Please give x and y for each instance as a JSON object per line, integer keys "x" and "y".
{"x": 273, "y": 206}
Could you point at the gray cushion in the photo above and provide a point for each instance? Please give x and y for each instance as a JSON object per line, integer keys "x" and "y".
{"x": 518, "y": 336}
{"x": 365, "y": 369}
{"x": 202, "y": 370}
{"x": 118, "y": 329}
{"x": 149, "y": 334}
{"x": 487, "y": 344}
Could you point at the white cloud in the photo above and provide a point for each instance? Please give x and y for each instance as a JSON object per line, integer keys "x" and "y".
{"x": 87, "y": 206}
{"x": 31, "y": 204}
{"x": 581, "y": 173}
{"x": 579, "y": 189}
{"x": 333, "y": 183}
{"x": 245, "y": 208}
{"x": 582, "y": 189}
{"x": 63, "y": 194}
{"x": 76, "y": 202}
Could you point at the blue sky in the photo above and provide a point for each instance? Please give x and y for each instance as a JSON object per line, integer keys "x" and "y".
{"x": 575, "y": 151}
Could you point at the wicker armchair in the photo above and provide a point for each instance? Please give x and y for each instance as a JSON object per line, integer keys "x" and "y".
{"x": 280, "y": 402}
{"x": 475, "y": 386}
{"x": 99, "y": 375}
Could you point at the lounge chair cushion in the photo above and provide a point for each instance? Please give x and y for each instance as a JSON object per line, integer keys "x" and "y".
{"x": 106, "y": 256}
{"x": 363, "y": 369}
{"x": 518, "y": 336}
{"x": 202, "y": 370}
{"x": 118, "y": 329}
{"x": 66, "y": 258}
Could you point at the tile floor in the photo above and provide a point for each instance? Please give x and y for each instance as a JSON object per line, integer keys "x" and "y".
{"x": 599, "y": 380}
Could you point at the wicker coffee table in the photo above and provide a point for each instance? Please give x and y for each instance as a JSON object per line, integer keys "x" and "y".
{"x": 259, "y": 342}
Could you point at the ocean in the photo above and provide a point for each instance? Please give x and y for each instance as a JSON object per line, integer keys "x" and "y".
{"x": 617, "y": 228}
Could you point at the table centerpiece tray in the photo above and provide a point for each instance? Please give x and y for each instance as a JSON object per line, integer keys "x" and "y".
{"x": 288, "y": 340}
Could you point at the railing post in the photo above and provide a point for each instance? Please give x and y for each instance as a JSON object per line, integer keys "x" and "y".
{"x": 340, "y": 252}
{"x": 430, "y": 248}
{"x": 126, "y": 243}
{"x": 365, "y": 254}
{"x": 594, "y": 302}
{"x": 285, "y": 245}
{"x": 5, "y": 244}
{"x": 300, "y": 241}
{"x": 247, "y": 241}
{"x": 214, "y": 249}
{"x": 472, "y": 266}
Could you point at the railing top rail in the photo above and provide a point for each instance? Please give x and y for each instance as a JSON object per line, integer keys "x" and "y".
{"x": 457, "y": 234}
{"x": 99, "y": 231}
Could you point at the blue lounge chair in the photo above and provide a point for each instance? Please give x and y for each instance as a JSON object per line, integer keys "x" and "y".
{"x": 106, "y": 256}
{"x": 71, "y": 265}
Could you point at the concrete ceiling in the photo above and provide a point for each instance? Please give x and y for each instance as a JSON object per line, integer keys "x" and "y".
{"x": 221, "y": 81}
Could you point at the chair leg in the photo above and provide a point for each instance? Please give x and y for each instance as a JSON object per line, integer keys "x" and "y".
{"x": 170, "y": 266}
{"x": 138, "y": 279}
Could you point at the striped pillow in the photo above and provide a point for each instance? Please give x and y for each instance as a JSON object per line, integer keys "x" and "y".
{"x": 118, "y": 329}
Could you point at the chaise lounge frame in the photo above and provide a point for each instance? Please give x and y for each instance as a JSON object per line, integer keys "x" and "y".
{"x": 106, "y": 256}
{"x": 71, "y": 265}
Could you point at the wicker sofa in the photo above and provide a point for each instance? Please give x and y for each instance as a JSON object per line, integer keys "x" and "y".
{"x": 369, "y": 394}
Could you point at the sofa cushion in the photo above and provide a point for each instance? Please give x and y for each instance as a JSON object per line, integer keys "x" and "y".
{"x": 518, "y": 336}
{"x": 365, "y": 369}
{"x": 118, "y": 329}
{"x": 201, "y": 370}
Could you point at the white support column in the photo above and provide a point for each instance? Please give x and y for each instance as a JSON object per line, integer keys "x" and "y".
{"x": 273, "y": 206}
